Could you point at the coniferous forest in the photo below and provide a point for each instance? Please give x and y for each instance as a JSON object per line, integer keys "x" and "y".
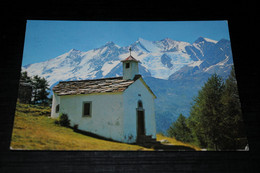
{"x": 215, "y": 120}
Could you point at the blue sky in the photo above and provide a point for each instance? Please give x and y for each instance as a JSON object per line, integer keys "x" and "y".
{"x": 48, "y": 39}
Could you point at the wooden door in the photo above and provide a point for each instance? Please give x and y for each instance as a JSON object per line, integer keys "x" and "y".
{"x": 140, "y": 123}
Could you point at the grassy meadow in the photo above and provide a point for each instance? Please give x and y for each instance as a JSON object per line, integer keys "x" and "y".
{"x": 35, "y": 130}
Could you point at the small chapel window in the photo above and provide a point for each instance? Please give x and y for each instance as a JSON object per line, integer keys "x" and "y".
{"x": 86, "y": 109}
{"x": 127, "y": 65}
{"x": 140, "y": 104}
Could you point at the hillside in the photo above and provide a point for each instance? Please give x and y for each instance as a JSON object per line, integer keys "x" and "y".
{"x": 39, "y": 132}
{"x": 35, "y": 130}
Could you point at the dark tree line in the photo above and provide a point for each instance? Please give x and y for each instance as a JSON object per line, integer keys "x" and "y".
{"x": 215, "y": 120}
{"x": 40, "y": 88}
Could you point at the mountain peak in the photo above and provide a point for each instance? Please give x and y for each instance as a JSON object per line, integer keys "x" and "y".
{"x": 210, "y": 40}
{"x": 167, "y": 39}
{"x": 200, "y": 39}
{"x": 109, "y": 43}
{"x": 146, "y": 45}
{"x": 73, "y": 50}
{"x": 141, "y": 40}
{"x": 203, "y": 39}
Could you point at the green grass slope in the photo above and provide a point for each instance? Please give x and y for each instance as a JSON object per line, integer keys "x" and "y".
{"x": 34, "y": 130}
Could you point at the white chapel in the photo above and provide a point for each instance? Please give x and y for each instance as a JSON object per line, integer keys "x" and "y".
{"x": 118, "y": 108}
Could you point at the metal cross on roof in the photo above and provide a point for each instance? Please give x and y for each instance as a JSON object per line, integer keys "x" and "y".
{"x": 130, "y": 50}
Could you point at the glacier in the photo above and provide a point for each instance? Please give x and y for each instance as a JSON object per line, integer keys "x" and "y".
{"x": 97, "y": 63}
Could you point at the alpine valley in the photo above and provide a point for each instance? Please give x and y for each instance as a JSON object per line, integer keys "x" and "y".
{"x": 174, "y": 70}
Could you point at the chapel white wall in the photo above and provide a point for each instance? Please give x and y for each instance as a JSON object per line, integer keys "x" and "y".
{"x": 107, "y": 114}
{"x": 131, "y": 98}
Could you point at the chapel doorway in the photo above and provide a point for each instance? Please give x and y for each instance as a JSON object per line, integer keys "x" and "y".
{"x": 140, "y": 120}
{"x": 140, "y": 123}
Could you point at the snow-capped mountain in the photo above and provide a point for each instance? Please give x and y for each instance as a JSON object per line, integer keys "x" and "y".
{"x": 209, "y": 57}
{"x": 175, "y": 70}
{"x": 75, "y": 64}
{"x": 159, "y": 59}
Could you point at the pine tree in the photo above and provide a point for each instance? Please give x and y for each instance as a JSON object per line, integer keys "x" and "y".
{"x": 40, "y": 90}
{"x": 43, "y": 92}
{"x": 206, "y": 113}
{"x": 216, "y": 117}
{"x": 180, "y": 130}
{"x": 233, "y": 122}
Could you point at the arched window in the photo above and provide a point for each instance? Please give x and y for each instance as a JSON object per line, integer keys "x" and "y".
{"x": 140, "y": 104}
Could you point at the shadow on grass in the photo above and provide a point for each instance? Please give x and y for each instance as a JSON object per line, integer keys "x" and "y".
{"x": 92, "y": 135}
{"x": 157, "y": 147}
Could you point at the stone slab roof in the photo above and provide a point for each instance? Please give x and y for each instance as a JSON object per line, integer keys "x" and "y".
{"x": 105, "y": 85}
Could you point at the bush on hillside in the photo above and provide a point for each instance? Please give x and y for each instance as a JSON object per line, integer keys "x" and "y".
{"x": 63, "y": 120}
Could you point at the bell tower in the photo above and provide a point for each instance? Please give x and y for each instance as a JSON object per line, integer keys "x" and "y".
{"x": 130, "y": 67}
